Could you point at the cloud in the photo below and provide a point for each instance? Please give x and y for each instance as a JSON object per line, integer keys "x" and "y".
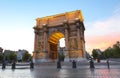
{"x": 103, "y": 33}
{"x": 117, "y": 11}
{"x": 104, "y": 26}
{"x": 101, "y": 42}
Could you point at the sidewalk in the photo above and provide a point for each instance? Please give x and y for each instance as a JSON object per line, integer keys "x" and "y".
{"x": 79, "y": 72}
{"x": 51, "y": 71}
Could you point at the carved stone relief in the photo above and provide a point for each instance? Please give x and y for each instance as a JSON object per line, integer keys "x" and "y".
{"x": 72, "y": 34}
{"x": 40, "y": 43}
{"x": 73, "y": 43}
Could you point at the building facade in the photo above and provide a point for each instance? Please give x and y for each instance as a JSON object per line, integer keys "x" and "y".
{"x": 1, "y": 50}
{"x": 20, "y": 54}
{"x": 49, "y": 30}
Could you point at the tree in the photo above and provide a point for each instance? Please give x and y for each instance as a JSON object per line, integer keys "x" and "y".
{"x": 6, "y": 57}
{"x": 108, "y": 53}
{"x": 61, "y": 56}
{"x": 26, "y": 56}
{"x": 1, "y": 57}
{"x": 116, "y": 51}
{"x": 95, "y": 54}
{"x": 113, "y": 52}
{"x": 12, "y": 56}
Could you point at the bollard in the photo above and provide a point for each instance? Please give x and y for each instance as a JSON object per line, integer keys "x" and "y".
{"x": 92, "y": 64}
{"x": 3, "y": 65}
{"x": 31, "y": 65}
{"x": 74, "y": 64}
{"x": 13, "y": 65}
{"x": 58, "y": 64}
{"x": 108, "y": 63}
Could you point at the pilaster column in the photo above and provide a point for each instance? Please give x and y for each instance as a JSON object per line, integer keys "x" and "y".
{"x": 36, "y": 39}
{"x": 36, "y": 51}
{"x": 80, "y": 48}
{"x": 65, "y": 23}
{"x": 45, "y": 42}
{"x": 77, "y": 22}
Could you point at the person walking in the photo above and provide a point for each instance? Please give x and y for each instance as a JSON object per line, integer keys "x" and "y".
{"x": 108, "y": 64}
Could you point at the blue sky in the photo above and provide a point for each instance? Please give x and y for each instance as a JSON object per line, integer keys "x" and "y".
{"x": 17, "y": 17}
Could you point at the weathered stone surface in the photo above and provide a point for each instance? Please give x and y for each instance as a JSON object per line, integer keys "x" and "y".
{"x": 50, "y": 29}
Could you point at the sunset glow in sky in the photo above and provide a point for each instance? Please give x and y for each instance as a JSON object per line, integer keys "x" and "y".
{"x": 17, "y": 19}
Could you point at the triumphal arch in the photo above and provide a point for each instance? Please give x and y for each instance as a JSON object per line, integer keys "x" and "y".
{"x": 50, "y": 29}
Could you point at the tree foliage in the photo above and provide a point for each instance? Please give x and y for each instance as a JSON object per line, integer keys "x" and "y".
{"x": 108, "y": 53}
{"x": 94, "y": 54}
{"x": 1, "y": 56}
{"x": 26, "y": 57}
{"x": 113, "y": 52}
{"x": 61, "y": 56}
{"x": 12, "y": 56}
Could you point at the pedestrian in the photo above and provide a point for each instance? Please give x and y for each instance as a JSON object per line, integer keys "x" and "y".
{"x": 108, "y": 63}
{"x": 3, "y": 64}
{"x": 58, "y": 64}
{"x": 31, "y": 65}
{"x": 13, "y": 65}
{"x": 74, "y": 64}
{"x": 91, "y": 63}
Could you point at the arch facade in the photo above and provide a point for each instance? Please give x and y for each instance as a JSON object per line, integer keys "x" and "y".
{"x": 50, "y": 29}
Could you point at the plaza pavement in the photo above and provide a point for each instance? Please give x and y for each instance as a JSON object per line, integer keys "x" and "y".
{"x": 49, "y": 70}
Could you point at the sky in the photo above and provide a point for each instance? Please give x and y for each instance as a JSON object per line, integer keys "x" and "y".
{"x": 17, "y": 19}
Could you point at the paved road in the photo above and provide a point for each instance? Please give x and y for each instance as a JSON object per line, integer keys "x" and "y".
{"x": 82, "y": 71}
{"x": 48, "y": 71}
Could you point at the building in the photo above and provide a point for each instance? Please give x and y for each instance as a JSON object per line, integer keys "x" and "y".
{"x": 20, "y": 54}
{"x": 1, "y": 50}
{"x": 7, "y": 52}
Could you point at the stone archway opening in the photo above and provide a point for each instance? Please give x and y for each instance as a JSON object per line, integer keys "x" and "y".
{"x": 56, "y": 44}
{"x": 62, "y": 42}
